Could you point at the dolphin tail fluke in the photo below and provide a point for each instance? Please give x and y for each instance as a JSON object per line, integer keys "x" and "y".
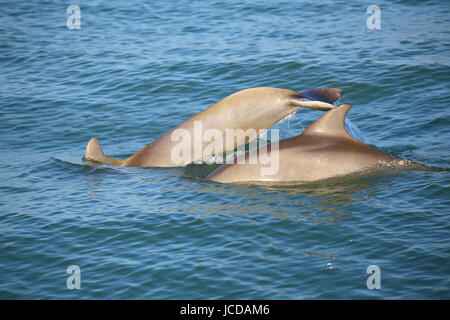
{"x": 94, "y": 152}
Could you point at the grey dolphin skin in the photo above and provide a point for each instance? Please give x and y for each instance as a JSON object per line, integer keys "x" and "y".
{"x": 323, "y": 150}
{"x": 254, "y": 108}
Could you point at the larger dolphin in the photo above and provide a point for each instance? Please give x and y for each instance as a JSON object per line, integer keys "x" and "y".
{"x": 323, "y": 150}
{"x": 254, "y": 108}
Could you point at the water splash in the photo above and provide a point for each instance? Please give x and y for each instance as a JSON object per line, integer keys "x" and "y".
{"x": 289, "y": 126}
{"x": 354, "y": 131}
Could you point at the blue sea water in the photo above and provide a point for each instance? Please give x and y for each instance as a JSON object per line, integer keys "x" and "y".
{"x": 136, "y": 69}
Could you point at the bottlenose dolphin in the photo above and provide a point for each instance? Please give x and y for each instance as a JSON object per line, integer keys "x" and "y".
{"x": 254, "y": 108}
{"x": 324, "y": 150}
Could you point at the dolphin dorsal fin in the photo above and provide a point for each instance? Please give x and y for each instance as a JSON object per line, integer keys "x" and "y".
{"x": 332, "y": 123}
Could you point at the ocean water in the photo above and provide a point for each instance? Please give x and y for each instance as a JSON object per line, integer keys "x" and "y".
{"x": 136, "y": 69}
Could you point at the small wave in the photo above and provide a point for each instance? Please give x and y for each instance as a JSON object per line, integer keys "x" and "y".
{"x": 83, "y": 164}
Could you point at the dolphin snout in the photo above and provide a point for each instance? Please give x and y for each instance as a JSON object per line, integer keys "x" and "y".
{"x": 315, "y": 105}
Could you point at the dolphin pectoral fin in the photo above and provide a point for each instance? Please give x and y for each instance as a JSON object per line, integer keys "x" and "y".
{"x": 94, "y": 152}
{"x": 332, "y": 123}
{"x": 329, "y": 95}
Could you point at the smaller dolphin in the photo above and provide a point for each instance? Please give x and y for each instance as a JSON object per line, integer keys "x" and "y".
{"x": 254, "y": 108}
{"x": 324, "y": 150}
